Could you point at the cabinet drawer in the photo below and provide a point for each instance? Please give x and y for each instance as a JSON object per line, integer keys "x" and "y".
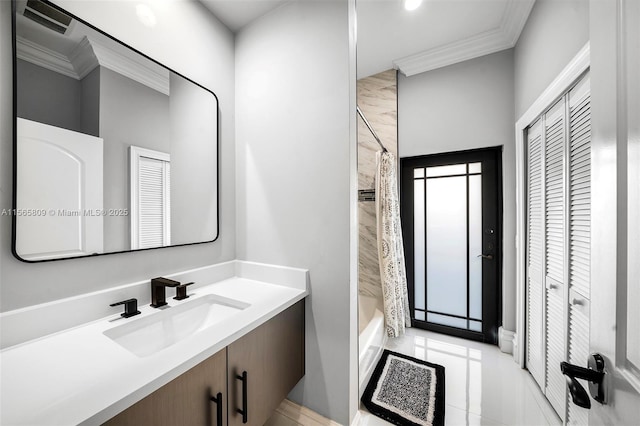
{"x": 273, "y": 357}
{"x": 184, "y": 401}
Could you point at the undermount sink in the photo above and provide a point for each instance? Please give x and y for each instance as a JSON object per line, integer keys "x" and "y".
{"x": 146, "y": 336}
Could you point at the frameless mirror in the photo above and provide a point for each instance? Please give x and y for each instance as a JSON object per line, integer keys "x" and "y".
{"x": 113, "y": 151}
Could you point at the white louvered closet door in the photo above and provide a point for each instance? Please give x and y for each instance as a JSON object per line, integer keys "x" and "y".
{"x": 535, "y": 252}
{"x": 554, "y": 137}
{"x": 558, "y": 245}
{"x": 150, "y": 198}
{"x": 579, "y": 217}
{"x": 153, "y": 199}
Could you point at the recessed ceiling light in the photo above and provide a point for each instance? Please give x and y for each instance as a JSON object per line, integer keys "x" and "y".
{"x": 411, "y": 4}
{"x": 146, "y": 15}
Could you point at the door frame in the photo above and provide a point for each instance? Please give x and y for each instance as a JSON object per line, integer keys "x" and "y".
{"x": 576, "y": 67}
{"x": 615, "y": 134}
{"x": 494, "y": 308}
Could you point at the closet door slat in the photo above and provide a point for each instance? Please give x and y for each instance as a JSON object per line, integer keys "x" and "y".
{"x": 578, "y": 349}
{"x": 151, "y": 196}
{"x": 555, "y": 348}
{"x": 554, "y": 191}
{"x": 580, "y": 196}
{"x": 579, "y": 206}
{"x": 555, "y": 246}
{"x": 535, "y": 252}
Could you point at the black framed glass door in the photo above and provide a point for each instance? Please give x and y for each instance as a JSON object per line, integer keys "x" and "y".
{"x": 451, "y": 208}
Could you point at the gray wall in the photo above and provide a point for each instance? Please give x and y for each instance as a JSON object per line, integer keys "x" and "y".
{"x": 130, "y": 114}
{"x": 555, "y": 31}
{"x": 465, "y": 106}
{"x": 193, "y": 159}
{"x": 209, "y": 60}
{"x": 294, "y": 169}
{"x": 48, "y": 97}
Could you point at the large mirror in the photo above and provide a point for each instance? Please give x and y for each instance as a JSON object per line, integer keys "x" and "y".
{"x": 113, "y": 151}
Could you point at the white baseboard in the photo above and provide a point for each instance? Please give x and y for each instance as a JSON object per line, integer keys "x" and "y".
{"x": 516, "y": 348}
{"x": 357, "y": 419}
{"x": 303, "y": 415}
{"x": 506, "y": 339}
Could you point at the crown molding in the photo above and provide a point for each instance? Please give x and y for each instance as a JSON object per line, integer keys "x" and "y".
{"x": 503, "y": 37}
{"x": 133, "y": 65}
{"x": 43, "y": 57}
{"x": 83, "y": 59}
{"x": 88, "y": 55}
{"x": 481, "y": 44}
{"x": 514, "y": 19}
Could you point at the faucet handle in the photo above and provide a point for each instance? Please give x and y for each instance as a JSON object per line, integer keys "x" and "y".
{"x": 181, "y": 291}
{"x": 130, "y": 307}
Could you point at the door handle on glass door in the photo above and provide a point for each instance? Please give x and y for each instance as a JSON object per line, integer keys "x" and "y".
{"x": 486, "y": 256}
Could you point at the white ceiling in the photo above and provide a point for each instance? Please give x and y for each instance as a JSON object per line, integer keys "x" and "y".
{"x": 235, "y": 14}
{"x": 437, "y": 34}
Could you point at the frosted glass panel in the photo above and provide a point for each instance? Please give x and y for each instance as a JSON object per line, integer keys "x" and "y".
{"x": 475, "y": 246}
{"x": 475, "y": 167}
{"x": 448, "y": 234}
{"x": 455, "y": 169}
{"x": 419, "y": 243}
{"x": 445, "y": 320}
{"x": 447, "y": 245}
{"x": 475, "y": 326}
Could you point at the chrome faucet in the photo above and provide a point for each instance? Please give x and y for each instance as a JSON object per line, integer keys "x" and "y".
{"x": 158, "y": 293}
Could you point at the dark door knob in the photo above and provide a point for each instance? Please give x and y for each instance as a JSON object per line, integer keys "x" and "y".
{"x": 594, "y": 375}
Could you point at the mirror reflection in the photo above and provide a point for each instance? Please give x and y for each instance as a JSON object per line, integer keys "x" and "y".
{"x": 114, "y": 152}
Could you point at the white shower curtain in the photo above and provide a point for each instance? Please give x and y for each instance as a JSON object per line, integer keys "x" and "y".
{"x": 390, "y": 249}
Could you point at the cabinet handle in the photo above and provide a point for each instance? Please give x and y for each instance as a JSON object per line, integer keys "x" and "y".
{"x": 218, "y": 400}
{"x": 243, "y": 411}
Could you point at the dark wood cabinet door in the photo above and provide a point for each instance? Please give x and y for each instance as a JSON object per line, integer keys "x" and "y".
{"x": 273, "y": 357}
{"x": 184, "y": 401}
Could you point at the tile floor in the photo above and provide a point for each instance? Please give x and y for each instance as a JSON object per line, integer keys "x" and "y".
{"x": 483, "y": 386}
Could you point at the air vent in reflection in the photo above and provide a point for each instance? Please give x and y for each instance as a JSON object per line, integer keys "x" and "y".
{"x": 47, "y": 15}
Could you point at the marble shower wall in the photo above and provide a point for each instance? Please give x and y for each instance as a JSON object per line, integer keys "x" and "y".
{"x": 378, "y": 100}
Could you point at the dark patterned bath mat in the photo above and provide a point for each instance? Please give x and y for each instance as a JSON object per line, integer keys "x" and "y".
{"x": 406, "y": 391}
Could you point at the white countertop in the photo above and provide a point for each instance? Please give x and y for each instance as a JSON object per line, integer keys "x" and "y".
{"x": 80, "y": 376}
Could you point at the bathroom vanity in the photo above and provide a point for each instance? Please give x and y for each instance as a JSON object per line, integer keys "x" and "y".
{"x": 251, "y": 377}
{"x": 228, "y": 354}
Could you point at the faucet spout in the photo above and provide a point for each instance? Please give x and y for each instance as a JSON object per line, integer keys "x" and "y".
{"x": 158, "y": 293}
